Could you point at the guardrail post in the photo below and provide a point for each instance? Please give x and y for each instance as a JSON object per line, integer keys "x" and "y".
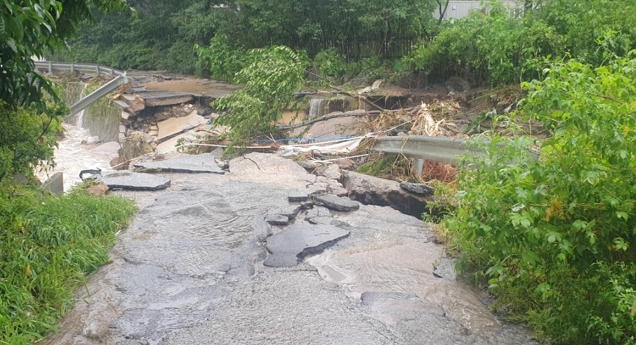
{"x": 419, "y": 165}
{"x": 98, "y": 72}
{"x": 50, "y": 68}
{"x": 72, "y": 68}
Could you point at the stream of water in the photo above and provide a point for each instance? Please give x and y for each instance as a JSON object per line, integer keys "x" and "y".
{"x": 76, "y": 152}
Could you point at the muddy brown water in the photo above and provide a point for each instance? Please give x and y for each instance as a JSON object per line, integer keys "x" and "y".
{"x": 189, "y": 271}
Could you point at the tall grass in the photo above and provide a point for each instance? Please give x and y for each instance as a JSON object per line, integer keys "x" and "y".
{"x": 47, "y": 246}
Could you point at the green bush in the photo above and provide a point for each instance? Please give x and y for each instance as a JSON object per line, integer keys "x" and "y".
{"x": 47, "y": 245}
{"x": 28, "y": 137}
{"x": 221, "y": 58}
{"x": 271, "y": 80}
{"x": 330, "y": 63}
{"x": 592, "y": 30}
{"x": 493, "y": 47}
{"x": 556, "y": 236}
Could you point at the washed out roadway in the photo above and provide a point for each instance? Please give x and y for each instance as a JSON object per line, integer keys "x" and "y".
{"x": 189, "y": 270}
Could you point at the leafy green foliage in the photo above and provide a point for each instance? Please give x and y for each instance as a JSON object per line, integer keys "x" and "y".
{"x": 593, "y": 31}
{"x": 330, "y": 63}
{"x": 30, "y": 27}
{"x": 354, "y": 28}
{"x": 47, "y": 245}
{"x": 557, "y": 236}
{"x": 222, "y": 58}
{"x": 270, "y": 80}
{"x": 493, "y": 47}
{"x": 28, "y": 137}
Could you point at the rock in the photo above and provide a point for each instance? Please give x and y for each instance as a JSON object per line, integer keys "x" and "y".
{"x": 262, "y": 229}
{"x": 318, "y": 211}
{"x": 137, "y": 105}
{"x": 176, "y": 125}
{"x": 117, "y": 164}
{"x": 305, "y": 205}
{"x": 97, "y": 189}
{"x": 371, "y": 190}
{"x": 445, "y": 268}
{"x": 345, "y": 164}
{"x": 290, "y": 212}
{"x": 289, "y": 247}
{"x": 332, "y": 172}
{"x": 217, "y": 153}
{"x": 310, "y": 166}
{"x": 298, "y": 195}
{"x": 203, "y": 163}
{"x": 417, "y": 188}
{"x": 336, "y": 203}
{"x": 55, "y": 183}
{"x": 135, "y": 145}
{"x": 337, "y": 189}
{"x": 277, "y": 219}
{"x": 134, "y": 181}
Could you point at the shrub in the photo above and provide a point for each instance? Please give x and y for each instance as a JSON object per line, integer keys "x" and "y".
{"x": 221, "y": 58}
{"x": 489, "y": 47}
{"x": 271, "y": 80}
{"x": 28, "y": 137}
{"x": 557, "y": 236}
{"x": 330, "y": 63}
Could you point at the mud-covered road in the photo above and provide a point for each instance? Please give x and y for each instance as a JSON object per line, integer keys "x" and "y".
{"x": 189, "y": 270}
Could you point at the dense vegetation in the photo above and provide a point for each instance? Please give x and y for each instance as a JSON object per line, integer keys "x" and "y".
{"x": 162, "y": 33}
{"x": 556, "y": 236}
{"x": 47, "y": 243}
{"x": 553, "y": 238}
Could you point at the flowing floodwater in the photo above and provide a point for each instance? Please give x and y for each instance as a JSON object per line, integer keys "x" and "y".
{"x": 189, "y": 270}
{"x": 78, "y": 151}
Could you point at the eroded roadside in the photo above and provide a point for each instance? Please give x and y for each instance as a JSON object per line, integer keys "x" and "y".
{"x": 190, "y": 270}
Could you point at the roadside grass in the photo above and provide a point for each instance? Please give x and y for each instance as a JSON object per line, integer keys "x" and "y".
{"x": 48, "y": 244}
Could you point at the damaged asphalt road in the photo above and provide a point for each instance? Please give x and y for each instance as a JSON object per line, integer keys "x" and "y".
{"x": 190, "y": 270}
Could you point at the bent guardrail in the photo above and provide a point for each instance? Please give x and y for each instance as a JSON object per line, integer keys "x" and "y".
{"x": 89, "y": 100}
{"x": 97, "y": 94}
{"x": 51, "y": 67}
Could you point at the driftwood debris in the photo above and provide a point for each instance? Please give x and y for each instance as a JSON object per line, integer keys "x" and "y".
{"x": 334, "y": 115}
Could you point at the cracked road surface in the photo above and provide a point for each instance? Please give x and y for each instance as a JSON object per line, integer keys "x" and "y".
{"x": 189, "y": 270}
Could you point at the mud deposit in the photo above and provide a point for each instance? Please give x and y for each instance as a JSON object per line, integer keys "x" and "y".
{"x": 189, "y": 270}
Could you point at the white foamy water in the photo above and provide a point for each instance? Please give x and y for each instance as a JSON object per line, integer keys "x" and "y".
{"x": 72, "y": 156}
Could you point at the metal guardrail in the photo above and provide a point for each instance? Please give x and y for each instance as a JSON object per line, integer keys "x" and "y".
{"x": 50, "y": 67}
{"x": 439, "y": 149}
{"x": 99, "y": 93}
{"x": 87, "y": 101}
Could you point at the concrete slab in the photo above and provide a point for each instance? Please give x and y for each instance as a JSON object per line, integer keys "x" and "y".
{"x": 55, "y": 183}
{"x": 176, "y": 125}
{"x": 336, "y": 203}
{"x": 134, "y": 181}
{"x": 203, "y": 163}
{"x": 289, "y": 247}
